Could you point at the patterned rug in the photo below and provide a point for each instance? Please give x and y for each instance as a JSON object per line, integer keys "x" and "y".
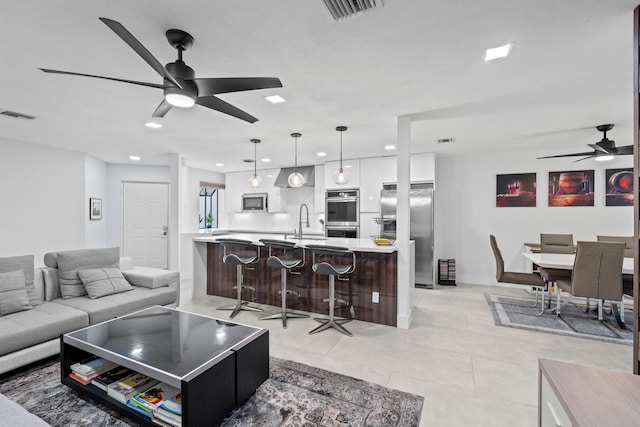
{"x": 294, "y": 395}
{"x": 515, "y": 312}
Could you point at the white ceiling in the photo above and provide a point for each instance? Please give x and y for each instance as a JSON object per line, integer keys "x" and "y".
{"x": 570, "y": 70}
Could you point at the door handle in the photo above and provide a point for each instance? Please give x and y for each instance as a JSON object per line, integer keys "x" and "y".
{"x": 164, "y": 230}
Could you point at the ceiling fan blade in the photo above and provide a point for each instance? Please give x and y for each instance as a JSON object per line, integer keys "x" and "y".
{"x": 585, "y": 158}
{"x": 627, "y": 149}
{"x": 162, "y": 109}
{"x": 129, "y": 39}
{"x": 224, "y": 107}
{"x": 588, "y": 153}
{"x": 46, "y": 70}
{"x": 213, "y": 86}
{"x": 599, "y": 148}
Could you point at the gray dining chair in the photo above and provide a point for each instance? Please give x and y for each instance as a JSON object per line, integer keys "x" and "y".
{"x": 515, "y": 277}
{"x": 555, "y": 244}
{"x": 597, "y": 273}
{"x": 627, "y": 279}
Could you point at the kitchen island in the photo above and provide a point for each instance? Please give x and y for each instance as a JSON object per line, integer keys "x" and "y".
{"x": 375, "y": 278}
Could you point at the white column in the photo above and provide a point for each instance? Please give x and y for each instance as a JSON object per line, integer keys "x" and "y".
{"x": 406, "y": 288}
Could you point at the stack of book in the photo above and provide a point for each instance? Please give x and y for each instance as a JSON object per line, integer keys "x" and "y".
{"x": 128, "y": 387}
{"x": 150, "y": 401}
{"x": 118, "y": 373}
{"x": 84, "y": 371}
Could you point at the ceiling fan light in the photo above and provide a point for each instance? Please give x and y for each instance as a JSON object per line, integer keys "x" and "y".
{"x": 255, "y": 181}
{"x": 604, "y": 158}
{"x": 296, "y": 180}
{"x": 179, "y": 97}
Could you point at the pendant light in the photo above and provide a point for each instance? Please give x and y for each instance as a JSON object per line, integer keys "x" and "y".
{"x": 341, "y": 176}
{"x": 255, "y": 181}
{"x": 296, "y": 179}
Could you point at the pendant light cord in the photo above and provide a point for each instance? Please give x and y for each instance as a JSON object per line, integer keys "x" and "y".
{"x": 341, "y": 150}
{"x": 255, "y": 159}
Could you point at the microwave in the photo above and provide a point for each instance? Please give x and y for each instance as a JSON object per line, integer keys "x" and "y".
{"x": 254, "y": 202}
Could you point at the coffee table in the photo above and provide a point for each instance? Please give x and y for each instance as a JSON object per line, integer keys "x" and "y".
{"x": 217, "y": 364}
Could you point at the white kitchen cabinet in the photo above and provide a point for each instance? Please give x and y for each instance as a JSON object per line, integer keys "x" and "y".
{"x": 371, "y": 184}
{"x": 276, "y": 202}
{"x": 318, "y": 190}
{"x": 422, "y": 168}
{"x": 234, "y": 188}
{"x": 352, "y": 167}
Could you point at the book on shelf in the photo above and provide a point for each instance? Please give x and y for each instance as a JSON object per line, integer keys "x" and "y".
{"x": 78, "y": 378}
{"x": 164, "y": 420}
{"x": 122, "y": 394}
{"x": 139, "y": 409}
{"x": 153, "y": 397}
{"x": 92, "y": 367}
{"x": 173, "y": 405}
{"x": 103, "y": 380}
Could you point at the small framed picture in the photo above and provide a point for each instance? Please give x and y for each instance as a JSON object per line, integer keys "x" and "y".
{"x": 95, "y": 209}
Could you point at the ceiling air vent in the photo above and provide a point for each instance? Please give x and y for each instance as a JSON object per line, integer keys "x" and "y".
{"x": 342, "y": 9}
{"x": 446, "y": 140}
{"x": 15, "y": 115}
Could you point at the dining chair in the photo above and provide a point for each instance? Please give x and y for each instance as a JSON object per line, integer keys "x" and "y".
{"x": 627, "y": 279}
{"x": 597, "y": 273}
{"x": 515, "y": 277}
{"x": 555, "y": 244}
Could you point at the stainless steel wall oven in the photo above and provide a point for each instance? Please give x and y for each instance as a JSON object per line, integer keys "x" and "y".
{"x": 342, "y": 213}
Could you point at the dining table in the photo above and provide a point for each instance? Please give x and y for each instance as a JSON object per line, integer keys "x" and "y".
{"x": 565, "y": 262}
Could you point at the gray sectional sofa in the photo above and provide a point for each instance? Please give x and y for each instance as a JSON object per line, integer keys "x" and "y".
{"x": 75, "y": 289}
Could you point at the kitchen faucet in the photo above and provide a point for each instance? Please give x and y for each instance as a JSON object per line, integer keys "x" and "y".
{"x": 304, "y": 205}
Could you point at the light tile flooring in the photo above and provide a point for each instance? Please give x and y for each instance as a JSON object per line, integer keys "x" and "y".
{"x": 470, "y": 372}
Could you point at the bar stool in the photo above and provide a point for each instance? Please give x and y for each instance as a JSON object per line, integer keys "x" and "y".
{"x": 285, "y": 262}
{"x": 240, "y": 261}
{"x": 332, "y": 270}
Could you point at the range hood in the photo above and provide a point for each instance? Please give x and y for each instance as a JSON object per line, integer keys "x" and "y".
{"x": 308, "y": 172}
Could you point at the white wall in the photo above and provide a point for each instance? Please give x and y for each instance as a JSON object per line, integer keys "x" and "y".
{"x": 116, "y": 174}
{"x": 95, "y": 187}
{"x": 466, "y": 212}
{"x": 42, "y": 200}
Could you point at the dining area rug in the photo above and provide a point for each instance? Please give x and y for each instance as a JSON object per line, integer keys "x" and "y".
{"x": 516, "y": 312}
{"x": 294, "y": 395}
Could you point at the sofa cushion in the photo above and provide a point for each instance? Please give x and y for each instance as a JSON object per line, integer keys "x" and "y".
{"x": 151, "y": 277}
{"x": 103, "y": 281}
{"x": 43, "y": 323}
{"x": 69, "y": 262}
{"x": 24, "y": 262}
{"x": 116, "y": 305}
{"x": 13, "y": 293}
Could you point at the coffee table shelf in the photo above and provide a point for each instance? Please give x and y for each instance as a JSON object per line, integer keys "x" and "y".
{"x": 217, "y": 364}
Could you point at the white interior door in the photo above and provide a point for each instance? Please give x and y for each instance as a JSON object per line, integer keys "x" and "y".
{"x": 145, "y": 222}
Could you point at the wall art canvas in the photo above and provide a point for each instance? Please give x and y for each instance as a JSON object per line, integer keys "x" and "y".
{"x": 95, "y": 209}
{"x": 516, "y": 189}
{"x": 571, "y": 188}
{"x": 619, "y": 187}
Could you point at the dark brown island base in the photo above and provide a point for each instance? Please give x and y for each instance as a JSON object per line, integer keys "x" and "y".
{"x": 374, "y": 278}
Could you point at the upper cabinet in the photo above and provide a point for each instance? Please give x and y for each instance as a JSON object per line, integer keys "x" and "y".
{"x": 237, "y": 184}
{"x": 352, "y": 167}
{"x": 371, "y": 183}
{"x": 423, "y": 168}
{"x": 318, "y": 190}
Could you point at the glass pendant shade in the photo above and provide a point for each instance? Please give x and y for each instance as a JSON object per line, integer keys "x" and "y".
{"x": 296, "y": 180}
{"x": 341, "y": 176}
{"x": 255, "y": 181}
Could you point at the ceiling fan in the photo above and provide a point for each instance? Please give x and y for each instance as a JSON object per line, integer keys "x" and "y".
{"x": 605, "y": 149}
{"x": 181, "y": 87}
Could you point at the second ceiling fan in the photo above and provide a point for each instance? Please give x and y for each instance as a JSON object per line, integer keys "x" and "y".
{"x": 180, "y": 86}
{"x": 605, "y": 149}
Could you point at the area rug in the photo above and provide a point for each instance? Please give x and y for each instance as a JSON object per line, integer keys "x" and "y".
{"x": 294, "y": 395}
{"x": 516, "y": 312}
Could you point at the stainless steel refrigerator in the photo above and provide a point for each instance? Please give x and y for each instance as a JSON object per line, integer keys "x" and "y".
{"x": 420, "y": 229}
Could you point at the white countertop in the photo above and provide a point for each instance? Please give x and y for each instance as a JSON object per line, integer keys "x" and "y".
{"x": 357, "y": 245}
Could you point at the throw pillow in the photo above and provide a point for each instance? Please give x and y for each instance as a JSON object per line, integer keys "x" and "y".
{"x": 24, "y": 262}
{"x": 100, "y": 282}
{"x": 69, "y": 262}
{"x": 13, "y": 293}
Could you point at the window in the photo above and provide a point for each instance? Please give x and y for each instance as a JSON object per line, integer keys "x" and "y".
{"x": 208, "y": 212}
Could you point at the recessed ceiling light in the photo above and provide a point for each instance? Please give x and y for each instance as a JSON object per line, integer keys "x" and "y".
{"x": 275, "y": 99}
{"x": 153, "y": 125}
{"x": 219, "y": 164}
{"x": 347, "y": 166}
{"x": 389, "y": 147}
{"x": 269, "y": 176}
{"x": 498, "y": 52}
{"x": 266, "y": 160}
{"x": 135, "y": 158}
{"x": 321, "y": 154}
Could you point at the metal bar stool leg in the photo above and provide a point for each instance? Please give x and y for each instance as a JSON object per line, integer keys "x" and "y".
{"x": 331, "y": 322}
{"x": 283, "y": 314}
{"x": 239, "y": 305}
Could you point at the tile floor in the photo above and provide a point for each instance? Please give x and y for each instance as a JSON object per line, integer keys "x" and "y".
{"x": 470, "y": 372}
